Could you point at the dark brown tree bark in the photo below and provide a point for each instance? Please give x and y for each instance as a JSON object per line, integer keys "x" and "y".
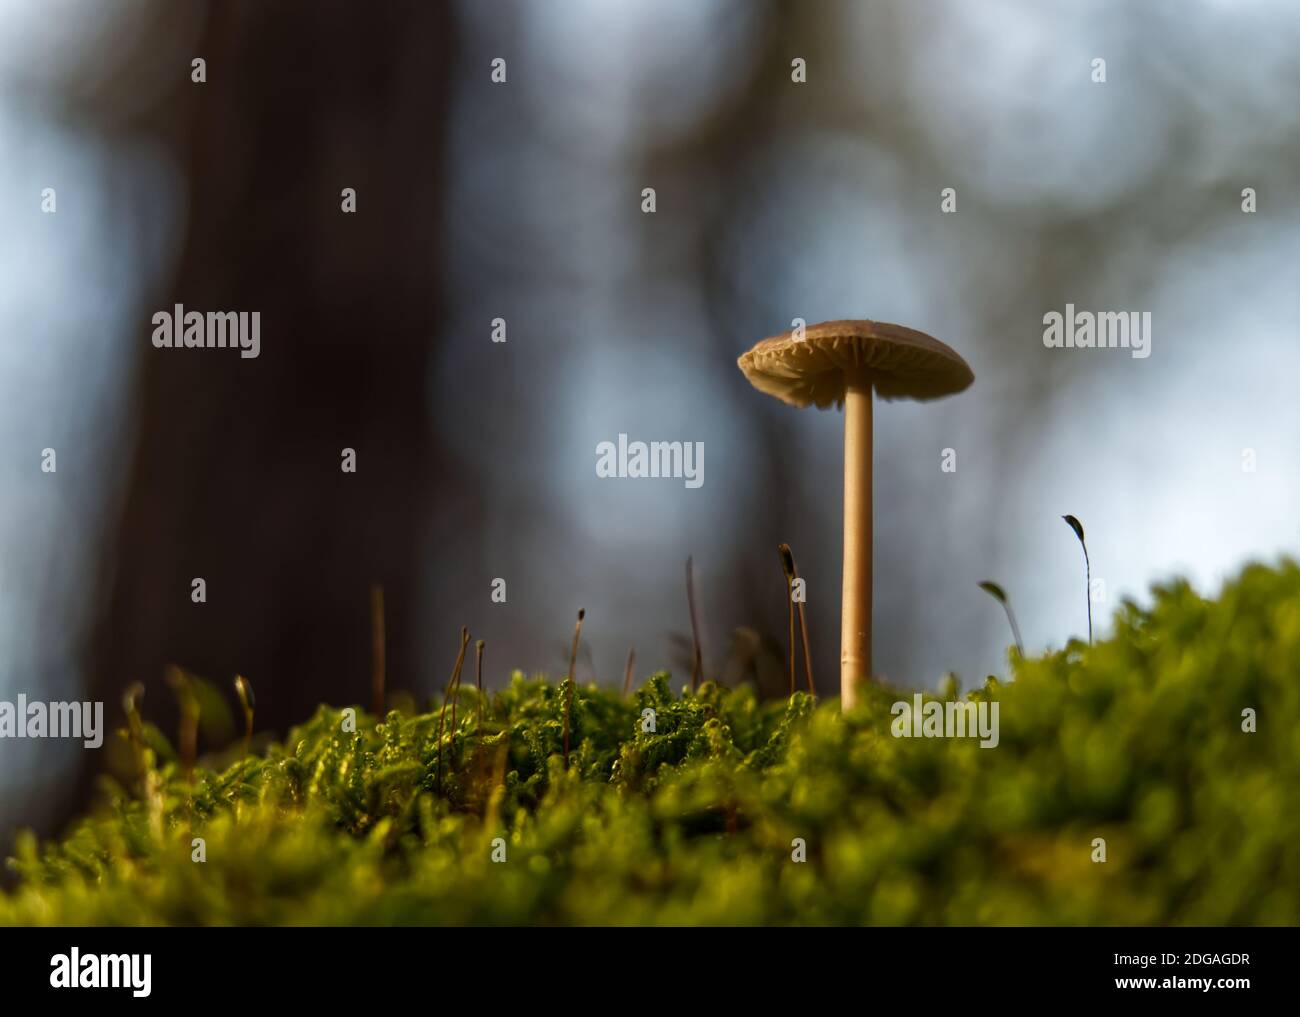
{"x": 236, "y": 468}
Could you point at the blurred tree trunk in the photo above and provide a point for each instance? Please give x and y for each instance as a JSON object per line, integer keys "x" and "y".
{"x": 725, "y": 147}
{"x": 236, "y": 474}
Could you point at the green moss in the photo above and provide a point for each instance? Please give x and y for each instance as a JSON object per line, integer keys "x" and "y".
{"x": 1137, "y": 740}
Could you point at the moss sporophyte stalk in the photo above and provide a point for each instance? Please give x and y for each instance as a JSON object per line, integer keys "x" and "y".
{"x": 1167, "y": 749}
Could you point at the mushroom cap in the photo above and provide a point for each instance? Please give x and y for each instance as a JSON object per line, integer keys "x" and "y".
{"x": 902, "y": 363}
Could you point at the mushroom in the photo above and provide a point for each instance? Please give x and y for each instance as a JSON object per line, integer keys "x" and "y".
{"x": 841, "y": 362}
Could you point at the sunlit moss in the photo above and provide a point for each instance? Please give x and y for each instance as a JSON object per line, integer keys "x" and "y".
{"x": 1137, "y": 740}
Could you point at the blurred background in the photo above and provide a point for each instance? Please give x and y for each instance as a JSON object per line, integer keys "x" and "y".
{"x": 522, "y": 200}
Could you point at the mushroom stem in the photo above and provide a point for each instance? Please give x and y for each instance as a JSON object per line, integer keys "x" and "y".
{"x": 855, "y": 619}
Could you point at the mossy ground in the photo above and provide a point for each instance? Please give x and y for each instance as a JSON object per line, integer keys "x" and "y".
{"x": 1137, "y": 740}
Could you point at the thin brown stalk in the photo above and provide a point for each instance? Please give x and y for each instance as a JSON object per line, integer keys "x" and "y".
{"x": 573, "y": 663}
{"x": 135, "y": 730}
{"x": 807, "y": 653}
{"x": 455, "y": 681}
{"x": 188, "y": 737}
{"x": 697, "y": 663}
{"x": 478, "y": 683}
{"x": 803, "y": 628}
{"x": 628, "y": 671}
{"x": 245, "y": 693}
{"x": 150, "y": 782}
{"x": 452, "y": 682}
{"x": 787, "y": 566}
